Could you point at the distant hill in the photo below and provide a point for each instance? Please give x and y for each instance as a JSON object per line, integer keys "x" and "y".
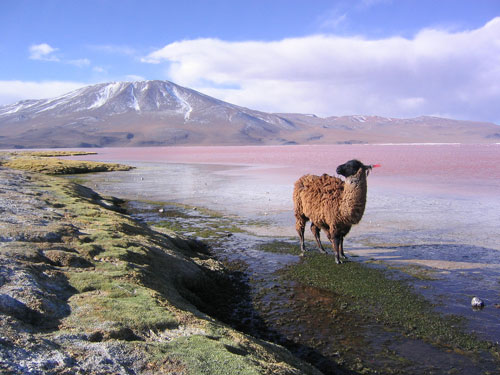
{"x": 159, "y": 113}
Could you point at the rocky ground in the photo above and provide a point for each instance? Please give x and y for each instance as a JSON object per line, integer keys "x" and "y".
{"x": 85, "y": 289}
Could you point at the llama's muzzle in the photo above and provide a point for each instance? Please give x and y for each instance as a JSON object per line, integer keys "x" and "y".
{"x": 368, "y": 168}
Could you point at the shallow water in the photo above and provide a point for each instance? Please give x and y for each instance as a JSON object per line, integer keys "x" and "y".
{"x": 315, "y": 325}
{"x": 432, "y": 205}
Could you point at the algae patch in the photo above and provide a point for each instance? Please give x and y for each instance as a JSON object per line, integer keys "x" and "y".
{"x": 393, "y": 302}
{"x": 280, "y": 247}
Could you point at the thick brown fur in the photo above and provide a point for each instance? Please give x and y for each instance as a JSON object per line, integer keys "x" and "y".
{"x": 330, "y": 204}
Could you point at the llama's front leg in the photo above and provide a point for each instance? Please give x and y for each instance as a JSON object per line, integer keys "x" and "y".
{"x": 316, "y": 231}
{"x": 335, "y": 240}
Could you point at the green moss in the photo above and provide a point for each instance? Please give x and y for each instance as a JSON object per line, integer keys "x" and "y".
{"x": 58, "y": 167}
{"x": 209, "y": 355}
{"x": 118, "y": 304}
{"x": 281, "y": 247}
{"x": 51, "y": 153}
{"x": 173, "y": 225}
{"x": 44, "y": 162}
{"x": 393, "y": 302}
{"x": 414, "y": 270}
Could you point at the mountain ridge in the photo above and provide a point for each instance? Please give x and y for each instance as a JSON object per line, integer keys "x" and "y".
{"x": 160, "y": 113}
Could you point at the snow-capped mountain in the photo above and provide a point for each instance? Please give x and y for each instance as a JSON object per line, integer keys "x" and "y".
{"x": 163, "y": 113}
{"x": 133, "y": 113}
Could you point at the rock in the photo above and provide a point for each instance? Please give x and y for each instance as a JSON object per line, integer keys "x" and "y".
{"x": 477, "y": 303}
{"x": 66, "y": 258}
{"x": 17, "y": 309}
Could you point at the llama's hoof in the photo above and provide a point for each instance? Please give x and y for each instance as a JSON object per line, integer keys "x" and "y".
{"x": 338, "y": 261}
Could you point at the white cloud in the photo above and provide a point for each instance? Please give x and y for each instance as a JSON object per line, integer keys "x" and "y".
{"x": 114, "y": 49}
{"x": 43, "y": 52}
{"x": 13, "y": 91}
{"x": 99, "y": 69}
{"x": 333, "y": 19}
{"x": 78, "y": 62}
{"x": 134, "y": 77}
{"x": 436, "y": 71}
{"x": 370, "y": 3}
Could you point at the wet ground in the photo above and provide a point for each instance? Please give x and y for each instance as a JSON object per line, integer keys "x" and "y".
{"x": 318, "y": 326}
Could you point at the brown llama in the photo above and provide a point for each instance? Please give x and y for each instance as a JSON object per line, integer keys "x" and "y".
{"x": 331, "y": 204}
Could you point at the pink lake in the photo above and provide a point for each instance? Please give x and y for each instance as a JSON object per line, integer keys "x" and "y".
{"x": 454, "y": 169}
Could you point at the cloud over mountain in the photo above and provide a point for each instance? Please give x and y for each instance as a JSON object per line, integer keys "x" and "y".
{"x": 437, "y": 72}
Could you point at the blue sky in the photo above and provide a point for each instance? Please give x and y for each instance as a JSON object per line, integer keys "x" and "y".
{"x": 400, "y": 58}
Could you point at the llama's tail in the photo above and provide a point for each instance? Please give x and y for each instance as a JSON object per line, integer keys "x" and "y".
{"x": 297, "y": 201}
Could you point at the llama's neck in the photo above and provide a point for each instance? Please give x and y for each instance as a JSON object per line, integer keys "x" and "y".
{"x": 353, "y": 201}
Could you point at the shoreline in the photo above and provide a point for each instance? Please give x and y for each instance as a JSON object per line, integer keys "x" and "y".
{"x": 85, "y": 287}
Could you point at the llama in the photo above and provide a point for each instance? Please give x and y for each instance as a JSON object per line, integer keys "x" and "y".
{"x": 331, "y": 204}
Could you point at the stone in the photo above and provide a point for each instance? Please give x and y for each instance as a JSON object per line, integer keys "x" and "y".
{"x": 477, "y": 303}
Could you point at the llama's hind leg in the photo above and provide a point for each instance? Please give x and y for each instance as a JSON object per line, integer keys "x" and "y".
{"x": 316, "y": 232}
{"x": 341, "y": 244}
{"x": 300, "y": 226}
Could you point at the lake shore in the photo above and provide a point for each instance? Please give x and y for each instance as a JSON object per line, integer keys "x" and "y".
{"x": 86, "y": 289}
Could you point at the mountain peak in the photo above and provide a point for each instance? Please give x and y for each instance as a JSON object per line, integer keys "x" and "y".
{"x": 112, "y": 98}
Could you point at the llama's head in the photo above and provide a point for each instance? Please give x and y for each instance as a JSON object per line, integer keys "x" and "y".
{"x": 352, "y": 167}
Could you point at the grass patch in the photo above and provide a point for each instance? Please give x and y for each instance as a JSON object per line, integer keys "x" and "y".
{"x": 61, "y": 167}
{"x": 126, "y": 305}
{"x": 46, "y": 162}
{"x": 51, "y": 153}
{"x": 373, "y": 294}
{"x": 212, "y": 355}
